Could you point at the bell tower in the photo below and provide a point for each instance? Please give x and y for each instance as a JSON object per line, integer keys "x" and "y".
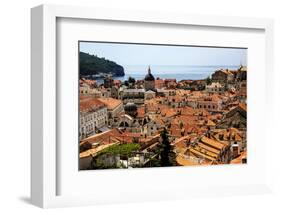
{"x": 149, "y": 80}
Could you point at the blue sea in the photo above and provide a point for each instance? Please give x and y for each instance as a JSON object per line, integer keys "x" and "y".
{"x": 171, "y": 71}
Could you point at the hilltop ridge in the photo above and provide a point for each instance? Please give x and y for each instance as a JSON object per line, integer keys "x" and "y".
{"x": 94, "y": 65}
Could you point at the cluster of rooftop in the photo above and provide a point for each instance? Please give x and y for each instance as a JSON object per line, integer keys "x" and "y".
{"x": 205, "y": 120}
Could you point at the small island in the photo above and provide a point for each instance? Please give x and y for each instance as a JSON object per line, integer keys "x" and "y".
{"x": 95, "y": 67}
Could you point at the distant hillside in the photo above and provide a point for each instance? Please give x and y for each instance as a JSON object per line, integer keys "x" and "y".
{"x": 93, "y": 65}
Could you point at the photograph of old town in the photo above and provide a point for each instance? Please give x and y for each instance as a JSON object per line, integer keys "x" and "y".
{"x": 152, "y": 105}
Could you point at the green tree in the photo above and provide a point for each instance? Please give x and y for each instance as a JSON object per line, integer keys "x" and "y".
{"x": 126, "y": 83}
{"x": 165, "y": 149}
{"x": 131, "y": 80}
{"x": 135, "y": 140}
{"x": 92, "y": 65}
{"x": 121, "y": 150}
{"x": 208, "y": 80}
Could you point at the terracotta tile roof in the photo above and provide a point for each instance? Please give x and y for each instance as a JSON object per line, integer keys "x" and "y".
{"x": 214, "y": 85}
{"x": 112, "y": 136}
{"x": 187, "y": 110}
{"x": 186, "y": 81}
{"x": 170, "y": 80}
{"x": 103, "y": 138}
{"x": 183, "y": 92}
{"x": 176, "y": 132}
{"x": 94, "y": 151}
{"x": 176, "y": 99}
{"x": 210, "y": 123}
{"x": 196, "y": 94}
{"x": 167, "y": 111}
{"x": 87, "y": 81}
{"x": 238, "y": 160}
{"x": 90, "y": 104}
{"x": 126, "y": 138}
{"x": 216, "y": 117}
{"x": 131, "y": 134}
{"x": 216, "y": 151}
{"x": 228, "y": 134}
{"x": 216, "y": 97}
{"x": 159, "y": 83}
{"x": 111, "y": 103}
{"x": 226, "y": 71}
{"x": 196, "y": 152}
{"x": 205, "y": 150}
{"x": 202, "y": 112}
{"x": 213, "y": 143}
{"x": 243, "y": 106}
{"x": 193, "y": 129}
{"x": 154, "y": 104}
{"x": 181, "y": 139}
{"x": 185, "y": 119}
{"x": 185, "y": 162}
{"x": 141, "y": 112}
{"x": 158, "y": 119}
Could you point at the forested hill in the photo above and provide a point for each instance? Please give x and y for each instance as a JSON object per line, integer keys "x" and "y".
{"x": 93, "y": 65}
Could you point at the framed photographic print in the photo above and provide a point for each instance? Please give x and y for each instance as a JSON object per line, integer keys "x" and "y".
{"x": 154, "y": 106}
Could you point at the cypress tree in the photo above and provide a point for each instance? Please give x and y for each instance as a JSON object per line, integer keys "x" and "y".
{"x": 165, "y": 149}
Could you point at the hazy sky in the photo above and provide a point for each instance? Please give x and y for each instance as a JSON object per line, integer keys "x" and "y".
{"x": 136, "y": 54}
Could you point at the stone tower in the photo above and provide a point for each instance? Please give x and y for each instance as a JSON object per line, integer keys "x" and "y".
{"x": 149, "y": 81}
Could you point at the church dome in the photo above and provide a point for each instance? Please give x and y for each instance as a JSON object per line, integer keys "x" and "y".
{"x": 130, "y": 107}
{"x": 149, "y": 76}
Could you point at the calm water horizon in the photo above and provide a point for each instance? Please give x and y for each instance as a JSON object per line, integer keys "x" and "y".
{"x": 180, "y": 72}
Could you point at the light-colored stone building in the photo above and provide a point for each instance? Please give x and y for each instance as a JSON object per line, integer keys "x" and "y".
{"x": 114, "y": 108}
{"x": 149, "y": 95}
{"x": 132, "y": 95}
{"x": 215, "y": 87}
{"x": 93, "y": 115}
{"x": 211, "y": 104}
{"x": 223, "y": 75}
{"x": 86, "y": 90}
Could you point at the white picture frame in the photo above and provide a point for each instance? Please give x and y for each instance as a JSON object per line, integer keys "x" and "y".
{"x": 44, "y": 154}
